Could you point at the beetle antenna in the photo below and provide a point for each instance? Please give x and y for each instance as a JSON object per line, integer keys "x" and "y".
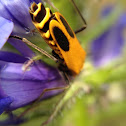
{"x": 84, "y": 21}
{"x": 35, "y": 47}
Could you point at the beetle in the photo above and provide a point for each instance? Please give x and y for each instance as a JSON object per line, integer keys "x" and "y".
{"x": 57, "y": 33}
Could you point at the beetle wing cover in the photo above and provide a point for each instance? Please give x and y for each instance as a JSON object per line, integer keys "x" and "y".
{"x": 66, "y": 41}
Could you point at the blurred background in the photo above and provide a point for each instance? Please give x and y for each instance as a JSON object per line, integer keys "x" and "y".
{"x": 97, "y": 97}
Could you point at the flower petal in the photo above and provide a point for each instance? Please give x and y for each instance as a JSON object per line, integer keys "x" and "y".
{"x": 21, "y": 47}
{"x": 4, "y": 103}
{"x": 6, "y": 28}
{"x": 25, "y": 87}
{"x": 18, "y": 12}
{"x": 12, "y": 57}
{"x": 109, "y": 45}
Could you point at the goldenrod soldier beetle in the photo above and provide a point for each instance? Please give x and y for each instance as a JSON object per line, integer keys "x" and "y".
{"x": 59, "y": 36}
{"x": 57, "y": 33}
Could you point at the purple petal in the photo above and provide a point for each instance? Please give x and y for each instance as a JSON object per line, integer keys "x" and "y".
{"x": 4, "y": 103}
{"x": 6, "y": 28}
{"x": 25, "y": 87}
{"x": 21, "y": 47}
{"x": 18, "y": 12}
{"x": 109, "y": 45}
{"x": 12, "y": 57}
{"x": 106, "y": 11}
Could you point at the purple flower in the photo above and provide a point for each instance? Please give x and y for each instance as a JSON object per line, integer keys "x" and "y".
{"x": 108, "y": 45}
{"x": 6, "y": 28}
{"x": 16, "y": 12}
{"x": 19, "y": 88}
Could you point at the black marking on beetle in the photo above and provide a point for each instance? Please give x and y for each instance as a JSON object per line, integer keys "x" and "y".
{"x": 51, "y": 12}
{"x": 61, "y": 39}
{"x": 35, "y": 7}
{"x": 41, "y": 14}
{"x": 56, "y": 55}
{"x": 53, "y": 17}
{"x": 50, "y": 38}
{"x": 32, "y": 16}
{"x": 67, "y": 27}
{"x": 46, "y": 27}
